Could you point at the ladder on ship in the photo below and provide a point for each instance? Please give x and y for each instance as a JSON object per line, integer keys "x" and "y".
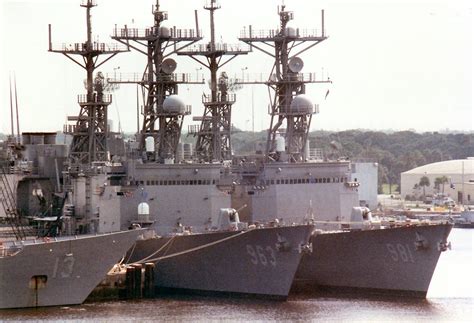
{"x": 7, "y": 199}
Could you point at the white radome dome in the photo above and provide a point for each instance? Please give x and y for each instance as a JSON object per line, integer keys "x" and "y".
{"x": 164, "y": 31}
{"x": 302, "y": 103}
{"x": 143, "y": 208}
{"x": 174, "y": 104}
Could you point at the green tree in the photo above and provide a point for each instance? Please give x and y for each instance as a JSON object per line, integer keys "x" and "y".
{"x": 383, "y": 178}
{"x": 424, "y": 182}
{"x": 440, "y": 181}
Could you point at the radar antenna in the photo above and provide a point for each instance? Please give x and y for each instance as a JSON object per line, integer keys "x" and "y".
{"x": 213, "y": 133}
{"x": 159, "y": 81}
{"x": 89, "y": 142}
{"x": 289, "y": 103}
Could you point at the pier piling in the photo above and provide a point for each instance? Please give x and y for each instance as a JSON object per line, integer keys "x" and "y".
{"x": 130, "y": 282}
{"x": 149, "y": 283}
{"x": 137, "y": 292}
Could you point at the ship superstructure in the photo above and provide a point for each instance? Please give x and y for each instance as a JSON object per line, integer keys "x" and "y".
{"x": 89, "y": 153}
{"x": 177, "y": 190}
{"x": 286, "y": 181}
{"x": 31, "y": 167}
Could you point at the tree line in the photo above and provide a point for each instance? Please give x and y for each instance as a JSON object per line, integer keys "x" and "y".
{"x": 395, "y": 152}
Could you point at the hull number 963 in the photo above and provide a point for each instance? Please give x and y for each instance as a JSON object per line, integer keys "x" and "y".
{"x": 261, "y": 255}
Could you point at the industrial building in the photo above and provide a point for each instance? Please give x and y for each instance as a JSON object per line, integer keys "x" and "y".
{"x": 459, "y": 183}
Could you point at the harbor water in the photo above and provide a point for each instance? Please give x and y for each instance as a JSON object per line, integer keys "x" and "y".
{"x": 450, "y": 299}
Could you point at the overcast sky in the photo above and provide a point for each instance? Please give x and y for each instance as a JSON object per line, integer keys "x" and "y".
{"x": 395, "y": 64}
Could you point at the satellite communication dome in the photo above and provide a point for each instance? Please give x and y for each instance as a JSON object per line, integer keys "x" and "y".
{"x": 174, "y": 104}
{"x": 280, "y": 143}
{"x": 143, "y": 209}
{"x": 290, "y": 31}
{"x": 302, "y": 104}
{"x": 164, "y": 31}
{"x": 149, "y": 144}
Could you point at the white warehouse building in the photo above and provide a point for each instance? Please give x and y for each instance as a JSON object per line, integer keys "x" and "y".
{"x": 459, "y": 173}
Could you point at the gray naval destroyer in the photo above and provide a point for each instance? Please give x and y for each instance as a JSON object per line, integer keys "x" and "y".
{"x": 197, "y": 241}
{"x": 285, "y": 182}
{"x": 60, "y": 270}
{"x": 465, "y": 220}
{"x": 48, "y": 263}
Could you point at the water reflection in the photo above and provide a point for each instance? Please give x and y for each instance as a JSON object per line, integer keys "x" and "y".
{"x": 192, "y": 308}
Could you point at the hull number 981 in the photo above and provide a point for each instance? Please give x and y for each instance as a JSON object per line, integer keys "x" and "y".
{"x": 400, "y": 252}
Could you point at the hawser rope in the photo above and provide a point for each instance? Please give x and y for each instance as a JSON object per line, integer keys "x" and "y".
{"x": 192, "y": 249}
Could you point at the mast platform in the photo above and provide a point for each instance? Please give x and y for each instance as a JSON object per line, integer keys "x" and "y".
{"x": 297, "y": 34}
{"x": 83, "y": 48}
{"x": 150, "y": 34}
{"x": 216, "y": 50}
{"x": 144, "y": 78}
{"x": 105, "y": 99}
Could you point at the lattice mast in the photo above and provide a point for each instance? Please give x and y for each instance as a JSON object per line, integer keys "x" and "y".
{"x": 213, "y": 134}
{"x": 158, "y": 82}
{"x": 287, "y": 84}
{"x": 89, "y": 143}
{"x": 8, "y": 202}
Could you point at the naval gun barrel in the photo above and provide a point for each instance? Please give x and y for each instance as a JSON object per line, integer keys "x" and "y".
{"x": 241, "y": 208}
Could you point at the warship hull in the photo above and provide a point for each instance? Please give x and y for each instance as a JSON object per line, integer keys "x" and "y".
{"x": 59, "y": 271}
{"x": 260, "y": 262}
{"x": 464, "y": 225}
{"x": 392, "y": 261}
{"x": 465, "y": 220}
